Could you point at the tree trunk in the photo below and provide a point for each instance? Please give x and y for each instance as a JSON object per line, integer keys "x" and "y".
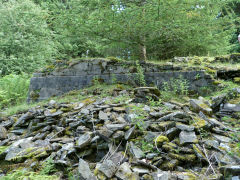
{"x": 143, "y": 46}
{"x": 143, "y": 53}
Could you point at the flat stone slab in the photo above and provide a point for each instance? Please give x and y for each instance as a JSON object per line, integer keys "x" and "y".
{"x": 188, "y": 137}
{"x": 222, "y": 138}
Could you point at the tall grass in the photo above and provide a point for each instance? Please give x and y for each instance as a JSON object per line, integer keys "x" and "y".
{"x": 13, "y": 89}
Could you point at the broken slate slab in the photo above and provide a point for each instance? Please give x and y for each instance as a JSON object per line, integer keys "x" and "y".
{"x": 184, "y": 127}
{"x": 84, "y": 140}
{"x": 115, "y": 127}
{"x": 84, "y": 171}
{"x": 176, "y": 116}
{"x": 47, "y": 113}
{"x": 103, "y": 116}
{"x": 188, "y": 137}
{"x": 172, "y": 133}
{"x": 124, "y": 171}
{"x": 199, "y": 105}
{"x": 3, "y": 133}
{"x": 108, "y": 168}
{"x": 129, "y": 133}
{"x": 136, "y": 151}
{"x": 23, "y": 119}
{"x": 230, "y": 170}
{"x": 222, "y": 138}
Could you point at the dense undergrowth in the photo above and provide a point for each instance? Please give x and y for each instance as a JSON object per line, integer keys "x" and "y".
{"x": 13, "y": 89}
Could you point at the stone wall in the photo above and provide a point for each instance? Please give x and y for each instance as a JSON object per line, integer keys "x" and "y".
{"x": 82, "y": 73}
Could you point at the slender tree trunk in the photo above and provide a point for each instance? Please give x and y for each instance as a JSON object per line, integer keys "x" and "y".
{"x": 143, "y": 39}
{"x": 143, "y": 53}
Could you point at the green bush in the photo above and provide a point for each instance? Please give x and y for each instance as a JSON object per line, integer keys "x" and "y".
{"x": 13, "y": 89}
{"x": 175, "y": 88}
{"x": 23, "y": 174}
{"x": 25, "y": 39}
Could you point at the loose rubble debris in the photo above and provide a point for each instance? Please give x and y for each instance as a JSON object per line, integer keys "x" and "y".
{"x": 103, "y": 140}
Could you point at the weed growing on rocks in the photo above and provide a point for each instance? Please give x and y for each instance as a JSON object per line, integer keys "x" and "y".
{"x": 175, "y": 88}
{"x": 140, "y": 75}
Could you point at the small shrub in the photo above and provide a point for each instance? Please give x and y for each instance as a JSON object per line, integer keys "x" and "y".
{"x": 13, "y": 89}
{"x": 23, "y": 174}
{"x": 48, "y": 167}
{"x": 140, "y": 75}
{"x": 175, "y": 88}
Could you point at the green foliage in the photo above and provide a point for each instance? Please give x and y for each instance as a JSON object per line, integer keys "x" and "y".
{"x": 23, "y": 174}
{"x": 154, "y": 103}
{"x": 13, "y": 89}
{"x": 175, "y": 88}
{"x": 25, "y": 39}
{"x": 70, "y": 22}
{"x": 48, "y": 167}
{"x": 118, "y": 100}
{"x": 145, "y": 146}
{"x": 139, "y": 115}
{"x": 140, "y": 75}
{"x": 165, "y": 28}
{"x": 113, "y": 79}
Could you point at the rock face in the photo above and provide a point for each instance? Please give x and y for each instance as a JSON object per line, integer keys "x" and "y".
{"x": 100, "y": 139}
{"x": 84, "y": 171}
{"x": 82, "y": 74}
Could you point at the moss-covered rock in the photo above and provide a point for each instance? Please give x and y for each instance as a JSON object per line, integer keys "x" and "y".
{"x": 161, "y": 139}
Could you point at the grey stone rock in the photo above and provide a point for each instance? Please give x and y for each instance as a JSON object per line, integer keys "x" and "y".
{"x": 231, "y": 107}
{"x": 52, "y": 103}
{"x": 84, "y": 140}
{"x": 224, "y": 159}
{"x": 150, "y": 136}
{"x": 215, "y": 122}
{"x": 117, "y": 158}
{"x": 217, "y": 101}
{"x": 115, "y": 127}
{"x": 199, "y": 105}
{"x": 19, "y": 131}
{"x": 212, "y": 143}
{"x": 146, "y": 108}
{"x": 85, "y": 111}
{"x": 108, "y": 168}
{"x": 24, "y": 118}
{"x": 158, "y": 114}
{"x": 103, "y": 116}
{"x": 118, "y": 135}
{"x": 84, "y": 171}
{"x": 222, "y": 138}
{"x": 105, "y": 133}
{"x": 225, "y": 146}
{"x": 7, "y": 123}
{"x": 164, "y": 126}
{"x": 12, "y": 152}
{"x": 136, "y": 151}
{"x": 151, "y": 155}
{"x": 176, "y": 116}
{"x": 161, "y": 175}
{"x": 47, "y": 113}
{"x": 124, "y": 172}
{"x": 172, "y": 133}
{"x": 187, "y": 137}
{"x": 184, "y": 127}
{"x": 140, "y": 170}
{"x": 230, "y": 170}
{"x": 129, "y": 133}
{"x": 3, "y": 133}
{"x": 235, "y": 178}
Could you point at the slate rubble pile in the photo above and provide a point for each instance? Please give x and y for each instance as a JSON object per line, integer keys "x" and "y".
{"x": 103, "y": 140}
